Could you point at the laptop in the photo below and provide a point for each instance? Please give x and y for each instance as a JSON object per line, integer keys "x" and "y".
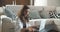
{"x": 41, "y": 26}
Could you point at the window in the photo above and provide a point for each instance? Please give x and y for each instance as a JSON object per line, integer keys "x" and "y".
{"x": 40, "y": 3}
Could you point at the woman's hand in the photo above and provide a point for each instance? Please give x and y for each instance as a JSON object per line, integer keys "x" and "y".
{"x": 30, "y": 29}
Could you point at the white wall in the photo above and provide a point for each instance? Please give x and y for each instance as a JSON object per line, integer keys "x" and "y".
{"x": 47, "y": 3}
{"x": 53, "y": 2}
{"x": 1, "y": 11}
{"x": 58, "y": 9}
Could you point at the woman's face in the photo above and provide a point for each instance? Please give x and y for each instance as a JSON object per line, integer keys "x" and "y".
{"x": 26, "y": 13}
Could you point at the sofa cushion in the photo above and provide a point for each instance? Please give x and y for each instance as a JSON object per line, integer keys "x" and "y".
{"x": 57, "y": 22}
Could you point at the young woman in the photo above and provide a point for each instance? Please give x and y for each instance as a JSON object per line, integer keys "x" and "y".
{"x": 23, "y": 16}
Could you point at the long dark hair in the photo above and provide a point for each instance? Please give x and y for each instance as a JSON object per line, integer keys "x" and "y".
{"x": 22, "y": 16}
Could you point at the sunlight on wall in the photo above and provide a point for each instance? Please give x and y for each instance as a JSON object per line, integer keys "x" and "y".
{"x": 40, "y": 3}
